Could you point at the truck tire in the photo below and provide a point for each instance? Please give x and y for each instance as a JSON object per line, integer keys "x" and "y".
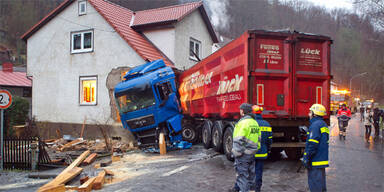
{"x": 228, "y": 142}
{"x": 206, "y": 134}
{"x": 217, "y": 136}
{"x": 190, "y": 134}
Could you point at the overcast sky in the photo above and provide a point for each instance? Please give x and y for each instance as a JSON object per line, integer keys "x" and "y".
{"x": 331, "y": 4}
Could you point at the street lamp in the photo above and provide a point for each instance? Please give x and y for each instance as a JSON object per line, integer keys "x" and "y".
{"x": 350, "y": 80}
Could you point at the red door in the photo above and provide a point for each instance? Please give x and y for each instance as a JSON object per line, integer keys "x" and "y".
{"x": 311, "y": 73}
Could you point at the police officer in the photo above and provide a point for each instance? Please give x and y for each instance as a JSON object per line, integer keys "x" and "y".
{"x": 266, "y": 142}
{"x": 246, "y": 142}
{"x": 316, "y": 149}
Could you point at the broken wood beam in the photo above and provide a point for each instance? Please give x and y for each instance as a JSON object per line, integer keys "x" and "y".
{"x": 68, "y": 173}
{"x": 62, "y": 178}
{"x": 58, "y": 133}
{"x": 71, "y": 144}
{"x": 162, "y": 144}
{"x": 109, "y": 172}
{"x": 83, "y": 127}
{"x": 83, "y": 180}
{"x": 87, "y": 186}
{"x": 90, "y": 159}
{"x": 55, "y": 188}
{"x": 99, "y": 182}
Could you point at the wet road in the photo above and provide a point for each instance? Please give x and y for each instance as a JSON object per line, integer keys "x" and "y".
{"x": 355, "y": 165}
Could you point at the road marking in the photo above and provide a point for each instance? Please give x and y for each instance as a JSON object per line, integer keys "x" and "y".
{"x": 175, "y": 171}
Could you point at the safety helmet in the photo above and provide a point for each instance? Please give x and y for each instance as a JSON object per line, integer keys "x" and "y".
{"x": 318, "y": 109}
{"x": 257, "y": 109}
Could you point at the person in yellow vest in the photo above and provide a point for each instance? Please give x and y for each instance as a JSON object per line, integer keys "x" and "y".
{"x": 246, "y": 142}
{"x": 315, "y": 157}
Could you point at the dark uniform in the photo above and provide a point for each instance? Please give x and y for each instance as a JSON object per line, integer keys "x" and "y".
{"x": 316, "y": 154}
{"x": 246, "y": 142}
{"x": 262, "y": 153}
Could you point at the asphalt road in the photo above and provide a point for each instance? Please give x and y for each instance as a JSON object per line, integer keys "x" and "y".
{"x": 355, "y": 165}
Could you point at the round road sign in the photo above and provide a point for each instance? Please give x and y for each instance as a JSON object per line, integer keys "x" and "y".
{"x": 5, "y": 99}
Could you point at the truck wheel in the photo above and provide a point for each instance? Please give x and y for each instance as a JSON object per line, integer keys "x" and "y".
{"x": 227, "y": 143}
{"x": 206, "y": 134}
{"x": 190, "y": 134}
{"x": 217, "y": 136}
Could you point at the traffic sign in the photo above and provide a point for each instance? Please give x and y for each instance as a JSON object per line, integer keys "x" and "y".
{"x": 5, "y": 99}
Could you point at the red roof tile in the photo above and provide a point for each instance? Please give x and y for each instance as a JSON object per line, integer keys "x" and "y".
{"x": 164, "y": 14}
{"x": 119, "y": 18}
{"x": 17, "y": 79}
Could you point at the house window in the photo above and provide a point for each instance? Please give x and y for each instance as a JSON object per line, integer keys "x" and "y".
{"x": 82, "y": 41}
{"x": 88, "y": 90}
{"x": 194, "y": 49}
{"x": 82, "y": 7}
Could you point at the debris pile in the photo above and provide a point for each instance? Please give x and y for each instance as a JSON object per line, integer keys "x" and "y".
{"x": 84, "y": 162}
{"x": 73, "y": 170}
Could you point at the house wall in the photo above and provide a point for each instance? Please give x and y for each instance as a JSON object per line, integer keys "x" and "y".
{"x": 193, "y": 26}
{"x": 164, "y": 39}
{"x": 56, "y": 72}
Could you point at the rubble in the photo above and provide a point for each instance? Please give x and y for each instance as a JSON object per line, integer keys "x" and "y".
{"x": 71, "y": 153}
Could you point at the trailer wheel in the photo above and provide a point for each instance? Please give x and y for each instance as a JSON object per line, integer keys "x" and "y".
{"x": 227, "y": 143}
{"x": 217, "y": 136}
{"x": 206, "y": 134}
{"x": 190, "y": 134}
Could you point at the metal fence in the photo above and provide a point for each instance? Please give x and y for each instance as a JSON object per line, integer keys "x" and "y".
{"x": 17, "y": 153}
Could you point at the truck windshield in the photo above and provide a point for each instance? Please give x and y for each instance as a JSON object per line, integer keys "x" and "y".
{"x": 136, "y": 98}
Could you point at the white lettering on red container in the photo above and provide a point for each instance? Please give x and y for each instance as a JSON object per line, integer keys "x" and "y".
{"x": 228, "y": 86}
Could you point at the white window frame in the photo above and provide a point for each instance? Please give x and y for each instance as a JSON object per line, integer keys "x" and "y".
{"x": 82, "y": 49}
{"x": 81, "y": 91}
{"x": 194, "y": 41}
{"x": 85, "y": 7}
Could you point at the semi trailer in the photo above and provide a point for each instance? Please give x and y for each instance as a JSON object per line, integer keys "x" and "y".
{"x": 283, "y": 71}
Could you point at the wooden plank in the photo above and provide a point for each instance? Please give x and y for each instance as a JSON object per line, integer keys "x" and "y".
{"x": 87, "y": 186}
{"x": 58, "y": 133}
{"x": 71, "y": 144}
{"x": 79, "y": 160}
{"x": 69, "y": 173}
{"x": 99, "y": 182}
{"x": 109, "y": 172}
{"x": 90, "y": 159}
{"x": 115, "y": 158}
{"x": 55, "y": 188}
{"x": 162, "y": 144}
{"x": 73, "y": 188}
{"x": 83, "y": 180}
{"x": 83, "y": 127}
{"x": 62, "y": 178}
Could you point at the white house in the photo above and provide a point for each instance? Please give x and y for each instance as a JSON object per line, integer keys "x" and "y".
{"x": 77, "y": 53}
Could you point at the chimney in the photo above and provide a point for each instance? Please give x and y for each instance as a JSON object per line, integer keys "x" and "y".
{"x": 7, "y": 67}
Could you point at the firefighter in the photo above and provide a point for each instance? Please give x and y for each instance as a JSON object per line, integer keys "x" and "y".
{"x": 266, "y": 142}
{"x": 316, "y": 149}
{"x": 246, "y": 142}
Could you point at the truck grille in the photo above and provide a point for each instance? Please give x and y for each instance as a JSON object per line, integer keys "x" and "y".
{"x": 141, "y": 122}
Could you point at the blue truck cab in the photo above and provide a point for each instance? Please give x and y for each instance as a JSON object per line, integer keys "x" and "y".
{"x": 148, "y": 103}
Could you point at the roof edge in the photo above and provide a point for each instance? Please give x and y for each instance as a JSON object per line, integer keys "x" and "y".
{"x": 46, "y": 19}
{"x": 208, "y": 24}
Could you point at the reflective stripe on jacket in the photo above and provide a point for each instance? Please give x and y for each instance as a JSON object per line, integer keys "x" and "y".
{"x": 316, "y": 147}
{"x": 246, "y": 137}
{"x": 266, "y": 137}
